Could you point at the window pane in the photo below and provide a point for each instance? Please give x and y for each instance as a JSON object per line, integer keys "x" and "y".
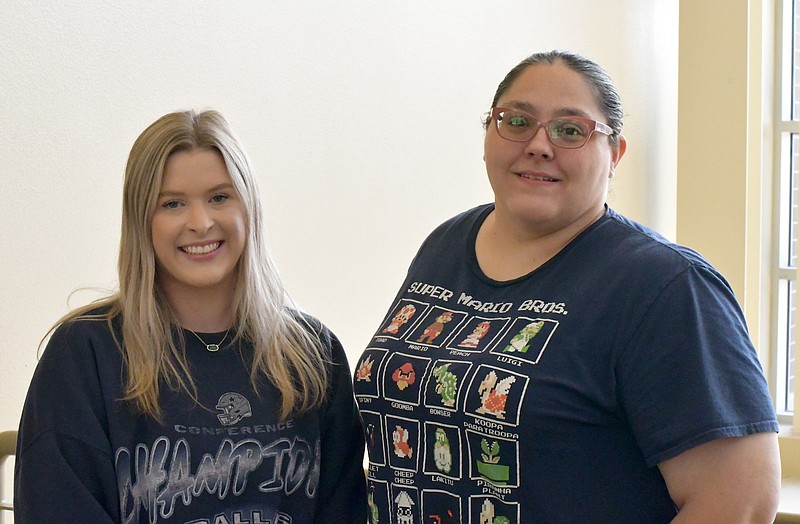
{"x": 785, "y": 344}
{"x": 788, "y": 289}
{"x": 795, "y": 102}
{"x": 790, "y": 346}
{"x": 793, "y": 200}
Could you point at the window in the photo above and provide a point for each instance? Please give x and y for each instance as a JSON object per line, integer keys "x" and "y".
{"x": 786, "y": 205}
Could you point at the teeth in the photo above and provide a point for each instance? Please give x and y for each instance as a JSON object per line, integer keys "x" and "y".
{"x": 201, "y": 250}
{"x": 542, "y": 178}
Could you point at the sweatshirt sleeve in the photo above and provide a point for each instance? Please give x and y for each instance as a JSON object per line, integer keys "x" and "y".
{"x": 64, "y": 468}
{"x": 342, "y": 486}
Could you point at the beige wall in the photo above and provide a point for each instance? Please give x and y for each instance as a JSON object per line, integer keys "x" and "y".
{"x": 362, "y": 119}
{"x": 724, "y": 148}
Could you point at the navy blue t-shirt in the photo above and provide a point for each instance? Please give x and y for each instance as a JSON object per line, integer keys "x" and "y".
{"x": 552, "y": 397}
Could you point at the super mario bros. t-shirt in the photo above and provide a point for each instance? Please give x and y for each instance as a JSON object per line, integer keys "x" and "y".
{"x": 553, "y": 397}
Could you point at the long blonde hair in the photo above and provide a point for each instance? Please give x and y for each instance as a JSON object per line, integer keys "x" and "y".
{"x": 288, "y": 351}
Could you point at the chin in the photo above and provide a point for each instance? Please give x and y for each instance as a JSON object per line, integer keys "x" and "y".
{"x": 535, "y": 213}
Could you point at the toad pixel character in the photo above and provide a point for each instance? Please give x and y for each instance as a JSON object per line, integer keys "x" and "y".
{"x": 402, "y": 316}
{"x": 435, "y": 329}
{"x": 494, "y": 394}
{"x": 475, "y": 337}
{"x": 404, "y": 376}
{"x": 400, "y": 439}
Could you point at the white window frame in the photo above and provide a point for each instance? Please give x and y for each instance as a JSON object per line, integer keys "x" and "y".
{"x": 783, "y": 366}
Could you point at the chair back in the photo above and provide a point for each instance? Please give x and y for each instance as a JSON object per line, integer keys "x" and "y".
{"x": 8, "y": 445}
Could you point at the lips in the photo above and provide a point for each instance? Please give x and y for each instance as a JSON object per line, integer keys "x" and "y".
{"x": 201, "y": 249}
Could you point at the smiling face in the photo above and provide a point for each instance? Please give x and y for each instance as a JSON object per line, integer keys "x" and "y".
{"x": 198, "y": 227}
{"x": 539, "y": 187}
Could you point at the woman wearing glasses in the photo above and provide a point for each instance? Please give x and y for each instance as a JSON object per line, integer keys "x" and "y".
{"x": 549, "y": 360}
{"x": 196, "y": 393}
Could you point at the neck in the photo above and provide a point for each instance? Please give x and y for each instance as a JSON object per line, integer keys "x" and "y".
{"x": 507, "y": 250}
{"x": 201, "y": 310}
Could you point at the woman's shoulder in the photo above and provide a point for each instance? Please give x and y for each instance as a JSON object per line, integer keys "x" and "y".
{"x": 80, "y": 361}
{"x": 455, "y": 231}
{"x": 466, "y": 219}
{"x": 311, "y": 323}
{"x": 643, "y": 244}
{"x": 84, "y": 330}
{"x": 89, "y": 320}
{"x": 316, "y": 328}
{"x": 641, "y": 254}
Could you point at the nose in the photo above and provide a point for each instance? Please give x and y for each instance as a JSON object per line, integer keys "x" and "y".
{"x": 539, "y": 144}
{"x": 199, "y": 218}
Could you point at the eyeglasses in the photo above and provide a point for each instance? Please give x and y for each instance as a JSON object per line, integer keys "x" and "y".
{"x": 567, "y": 132}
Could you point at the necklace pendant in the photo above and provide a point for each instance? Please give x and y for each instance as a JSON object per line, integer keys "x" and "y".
{"x": 211, "y": 348}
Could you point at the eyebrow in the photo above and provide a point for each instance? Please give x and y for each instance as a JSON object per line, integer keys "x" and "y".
{"x": 219, "y": 187}
{"x": 564, "y": 111}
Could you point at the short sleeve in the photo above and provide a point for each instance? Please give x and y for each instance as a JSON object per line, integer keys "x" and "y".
{"x": 690, "y": 373}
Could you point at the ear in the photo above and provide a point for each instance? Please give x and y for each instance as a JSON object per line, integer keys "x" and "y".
{"x": 617, "y": 152}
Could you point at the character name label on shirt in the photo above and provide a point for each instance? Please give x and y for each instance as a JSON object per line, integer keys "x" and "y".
{"x": 512, "y": 361}
{"x": 491, "y": 428}
{"x": 443, "y": 480}
{"x": 404, "y": 477}
{"x": 497, "y": 491}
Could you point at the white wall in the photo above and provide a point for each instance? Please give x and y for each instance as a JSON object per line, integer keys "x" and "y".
{"x": 361, "y": 117}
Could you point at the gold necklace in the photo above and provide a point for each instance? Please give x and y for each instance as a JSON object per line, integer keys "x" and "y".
{"x": 213, "y": 348}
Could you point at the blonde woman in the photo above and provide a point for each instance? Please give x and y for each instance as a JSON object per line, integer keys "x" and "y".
{"x": 196, "y": 393}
